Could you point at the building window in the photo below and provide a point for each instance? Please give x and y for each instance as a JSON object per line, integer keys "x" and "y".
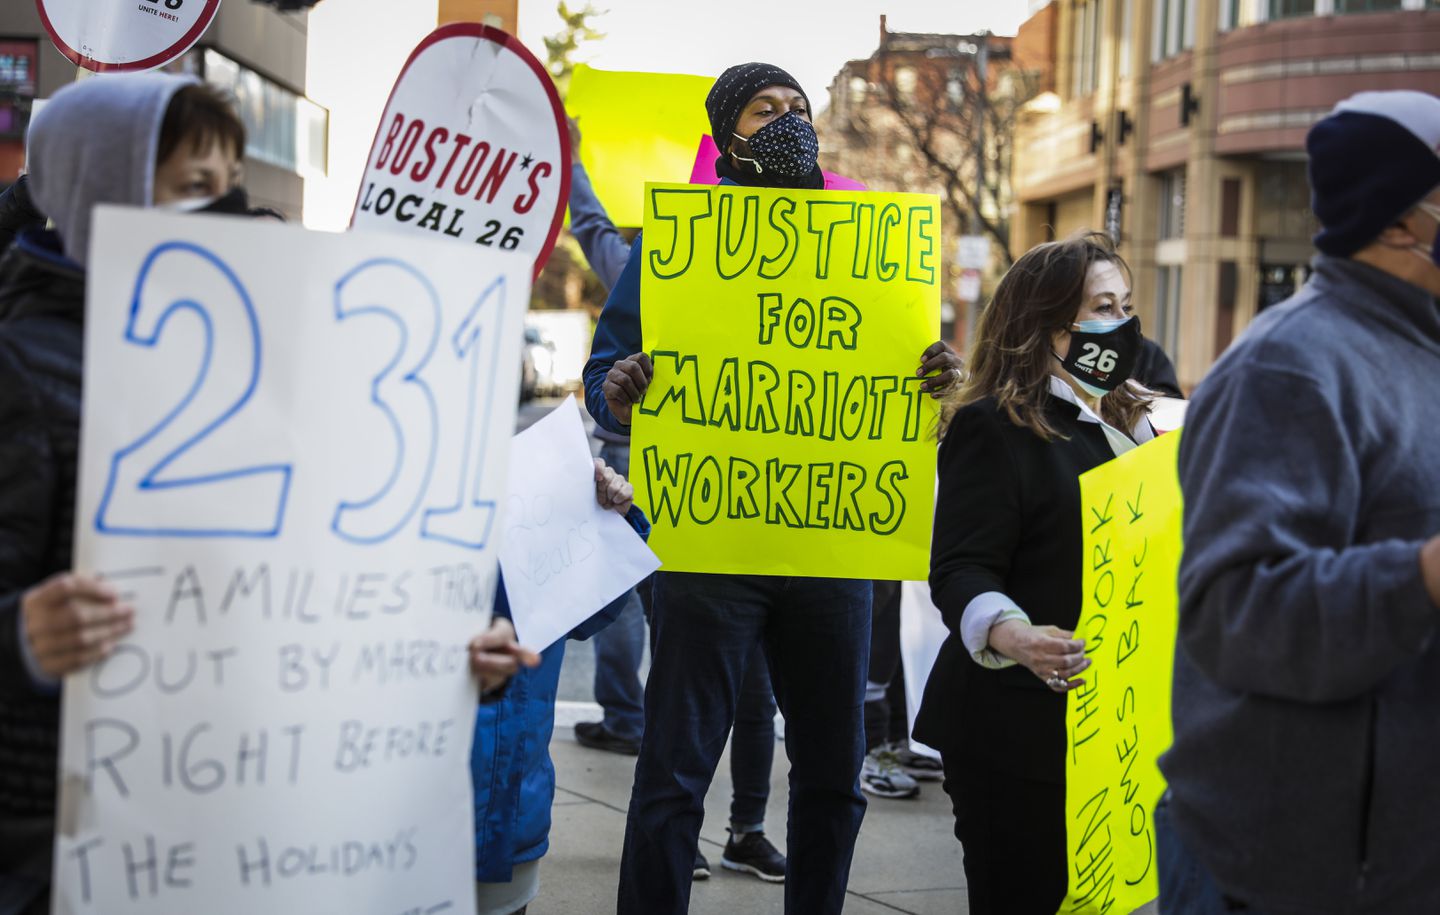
{"x": 1174, "y": 27}
{"x": 281, "y": 128}
{"x": 1086, "y": 50}
{"x": 1367, "y": 6}
{"x": 1167, "y": 307}
{"x": 1290, "y": 9}
{"x": 1172, "y": 204}
{"x": 1229, "y": 14}
{"x": 17, "y": 86}
{"x": 905, "y": 80}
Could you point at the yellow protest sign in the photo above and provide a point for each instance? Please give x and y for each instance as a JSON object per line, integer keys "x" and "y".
{"x": 784, "y": 431}
{"x": 1118, "y": 723}
{"x": 636, "y": 127}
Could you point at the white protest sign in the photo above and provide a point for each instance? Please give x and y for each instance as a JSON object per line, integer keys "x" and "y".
{"x": 121, "y": 35}
{"x": 922, "y": 632}
{"x": 293, "y": 448}
{"x": 564, "y": 557}
{"x": 973, "y": 251}
{"x": 473, "y": 145}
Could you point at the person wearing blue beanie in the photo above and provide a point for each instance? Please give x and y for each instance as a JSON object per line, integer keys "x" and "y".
{"x": 1308, "y": 661}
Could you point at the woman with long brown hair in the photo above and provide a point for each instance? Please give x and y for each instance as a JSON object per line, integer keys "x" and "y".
{"x": 1046, "y": 399}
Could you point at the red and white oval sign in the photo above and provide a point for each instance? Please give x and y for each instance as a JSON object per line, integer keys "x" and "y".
{"x": 120, "y": 35}
{"x": 473, "y": 145}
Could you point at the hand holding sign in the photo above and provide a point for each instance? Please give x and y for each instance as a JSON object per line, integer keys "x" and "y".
{"x": 625, "y": 384}
{"x": 495, "y": 656}
{"x": 612, "y": 490}
{"x": 940, "y": 367}
{"x": 1048, "y": 652}
{"x": 72, "y": 621}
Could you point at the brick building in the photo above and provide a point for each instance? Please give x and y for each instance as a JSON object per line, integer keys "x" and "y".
{"x": 1179, "y": 126}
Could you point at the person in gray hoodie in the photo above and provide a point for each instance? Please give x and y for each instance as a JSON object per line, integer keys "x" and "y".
{"x": 98, "y": 141}
{"x": 1306, "y": 701}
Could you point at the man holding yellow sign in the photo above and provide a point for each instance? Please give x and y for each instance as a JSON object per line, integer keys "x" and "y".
{"x": 785, "y": 438}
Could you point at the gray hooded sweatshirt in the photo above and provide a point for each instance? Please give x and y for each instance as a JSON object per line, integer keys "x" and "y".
{"x": 95, "y": 142}
{"x": 1305, "y": 773}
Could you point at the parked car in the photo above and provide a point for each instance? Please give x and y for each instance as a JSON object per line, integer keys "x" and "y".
{"x": 529, "y": 378}
{"x": 540, "y": 352}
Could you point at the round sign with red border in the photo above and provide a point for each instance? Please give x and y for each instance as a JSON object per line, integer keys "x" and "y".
{"x": 473, "y": 145}
{"x": 123, "y": 35}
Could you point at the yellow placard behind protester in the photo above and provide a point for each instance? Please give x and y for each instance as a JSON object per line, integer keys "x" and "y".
{"x": 636, "y": 127}
{"x": 784, "y": 431}
{"x": 1118, "y": 723}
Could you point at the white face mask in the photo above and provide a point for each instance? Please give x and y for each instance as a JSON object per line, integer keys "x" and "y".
{"x": 186, "y": 205}
{"x": 1433, "y": 254}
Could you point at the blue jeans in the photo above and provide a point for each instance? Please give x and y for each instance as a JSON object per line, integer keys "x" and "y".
{"x": 816, "y": 635}
{"x": 620, "y": 647}
{"x": 1186, "y": 888}
{"x": 752, "y": 746}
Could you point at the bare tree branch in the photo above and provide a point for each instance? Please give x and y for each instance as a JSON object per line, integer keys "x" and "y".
{"x": 942, "y": 111}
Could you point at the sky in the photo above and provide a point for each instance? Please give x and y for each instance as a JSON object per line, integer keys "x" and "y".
{"x": 810, "y": 38}
{"x": 357, "y": 47}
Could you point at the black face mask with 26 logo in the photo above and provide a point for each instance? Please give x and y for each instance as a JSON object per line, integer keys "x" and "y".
{"x": 1102, "y": 354}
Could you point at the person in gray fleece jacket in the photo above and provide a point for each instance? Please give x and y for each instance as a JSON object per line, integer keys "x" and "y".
{"x": 1304, "y": 774}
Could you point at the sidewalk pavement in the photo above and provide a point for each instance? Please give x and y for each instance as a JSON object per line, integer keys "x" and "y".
{"x": 907, "y": 859}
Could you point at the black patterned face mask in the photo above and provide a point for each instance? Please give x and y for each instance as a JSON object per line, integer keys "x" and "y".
{"x": 786, "y": 146}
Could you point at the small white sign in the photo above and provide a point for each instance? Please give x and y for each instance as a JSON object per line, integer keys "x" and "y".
{"x": 121, "y": 35}
{"x": 564, "y": 557}
{"x": 968, "y": 285}
{"x": 973, "y": 251}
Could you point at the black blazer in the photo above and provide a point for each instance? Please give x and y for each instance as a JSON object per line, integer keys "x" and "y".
{"x": 1007, "y": 519}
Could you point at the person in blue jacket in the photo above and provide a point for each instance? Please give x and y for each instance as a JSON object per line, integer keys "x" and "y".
{"x": 510, "y": 766}
{"x": 816, "y": 631}
{"x": 620, "y": 647}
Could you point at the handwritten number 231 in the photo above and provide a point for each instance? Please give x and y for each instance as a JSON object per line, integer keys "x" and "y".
{"x": 144, "y": 496}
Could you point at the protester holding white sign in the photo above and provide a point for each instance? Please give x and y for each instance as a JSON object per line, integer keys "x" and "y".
{"x": 98, "y": 141}
{"x": 510, "y": 764}
{"x": 292, "y": 716}
{"x": 177, "y": 787}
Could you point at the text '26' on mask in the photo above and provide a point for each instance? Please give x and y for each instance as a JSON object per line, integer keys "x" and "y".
{"x": 1102, "y": 353}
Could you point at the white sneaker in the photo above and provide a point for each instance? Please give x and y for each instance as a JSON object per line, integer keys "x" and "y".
{"x": 917, "y": 766}
{"x": 882, "y": 776}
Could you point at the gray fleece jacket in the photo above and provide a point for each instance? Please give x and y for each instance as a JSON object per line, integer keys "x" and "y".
{"x": 1305, "y": 773}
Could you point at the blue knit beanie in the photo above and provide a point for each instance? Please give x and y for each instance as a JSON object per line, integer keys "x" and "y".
{"x": 1371, "y": 160}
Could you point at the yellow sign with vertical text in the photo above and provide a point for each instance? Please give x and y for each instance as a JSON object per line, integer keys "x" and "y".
{"x": 1118, "y": 723}
{"x": 784, "y": 431}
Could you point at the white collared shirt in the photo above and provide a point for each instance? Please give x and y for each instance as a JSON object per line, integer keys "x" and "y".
{"x": 992, "y": 608}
